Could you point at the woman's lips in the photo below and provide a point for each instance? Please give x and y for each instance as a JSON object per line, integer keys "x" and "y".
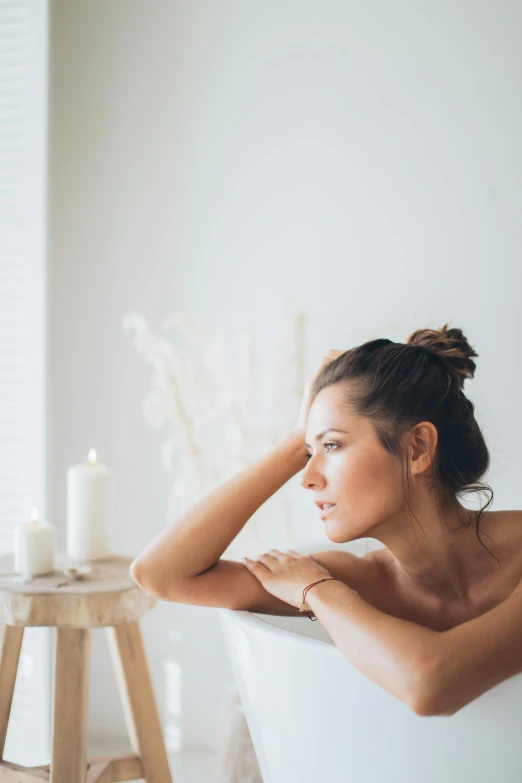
{"x": 326, "y": 511}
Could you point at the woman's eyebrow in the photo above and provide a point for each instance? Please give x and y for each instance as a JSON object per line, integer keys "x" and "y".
{"x": 321, "y": 434}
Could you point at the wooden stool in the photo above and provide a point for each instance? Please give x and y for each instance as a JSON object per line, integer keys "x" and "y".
{"x": 107, "y": 597}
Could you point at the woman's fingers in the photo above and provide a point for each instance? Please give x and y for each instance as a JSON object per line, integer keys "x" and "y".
{"x": 331, "y": 356}
{"x": 266, "y": 559}
{"x": 276, "y": 553}
{"x": 273, "y": 555}
{"x": 306, "y": 399}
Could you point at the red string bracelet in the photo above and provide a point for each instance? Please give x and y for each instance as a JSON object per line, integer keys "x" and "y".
{"x": 305, "y": 608}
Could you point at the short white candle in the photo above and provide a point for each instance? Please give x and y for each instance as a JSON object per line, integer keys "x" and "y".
{"x": 34, "y": 547}
{"x": 89, "y": 510}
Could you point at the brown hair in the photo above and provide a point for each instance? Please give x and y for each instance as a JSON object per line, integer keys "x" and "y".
{"x": 398, "y": 385}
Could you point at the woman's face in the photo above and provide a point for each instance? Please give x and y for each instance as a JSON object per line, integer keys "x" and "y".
{"x": 350, "y": 469}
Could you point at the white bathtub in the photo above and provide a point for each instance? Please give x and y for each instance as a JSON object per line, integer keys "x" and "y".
{"x": 314, "y": 718}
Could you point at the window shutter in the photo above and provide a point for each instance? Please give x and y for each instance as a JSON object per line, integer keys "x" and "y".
{"x": 23, "y": 274}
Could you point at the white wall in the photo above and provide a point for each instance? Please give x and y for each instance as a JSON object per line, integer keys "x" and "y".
{"x": 361, "y": 159}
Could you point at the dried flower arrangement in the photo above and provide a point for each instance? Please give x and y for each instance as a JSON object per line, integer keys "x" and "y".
{"x": 192, "y": 389}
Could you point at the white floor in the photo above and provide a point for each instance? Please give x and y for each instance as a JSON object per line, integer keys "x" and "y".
{"x": 188, "y": 766}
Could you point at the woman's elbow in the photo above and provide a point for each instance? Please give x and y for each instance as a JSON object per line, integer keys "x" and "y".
{"x": 142, "y": 579}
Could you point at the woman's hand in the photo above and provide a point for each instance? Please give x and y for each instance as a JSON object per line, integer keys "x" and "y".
{"x": 286, "y": 574}
{"x": 307, "y": 395}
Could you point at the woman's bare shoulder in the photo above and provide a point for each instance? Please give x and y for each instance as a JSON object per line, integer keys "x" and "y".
{"x": 364, "y": 574}
{"x": 504, "y": 529}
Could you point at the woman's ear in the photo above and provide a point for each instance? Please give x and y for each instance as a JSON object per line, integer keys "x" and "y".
{"x": 423, "y": 443}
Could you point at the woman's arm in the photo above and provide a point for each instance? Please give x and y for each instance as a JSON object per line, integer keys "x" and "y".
{"x": 402, "y": 657}
{"x": 194, "y": 543}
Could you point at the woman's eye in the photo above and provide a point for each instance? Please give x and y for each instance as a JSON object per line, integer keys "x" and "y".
{"x": 324, "y": 444}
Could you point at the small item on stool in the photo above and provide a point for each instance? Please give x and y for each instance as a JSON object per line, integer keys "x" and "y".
{"x": 77, "y": 572}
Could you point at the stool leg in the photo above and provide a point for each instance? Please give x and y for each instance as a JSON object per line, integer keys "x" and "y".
{"x": 139, "y": 705}
{"x": 11, "y": 639}
{"x": 70, "y": 705}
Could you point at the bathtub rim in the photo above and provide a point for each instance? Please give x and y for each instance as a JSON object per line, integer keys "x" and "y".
{"x": 253, "y": 621}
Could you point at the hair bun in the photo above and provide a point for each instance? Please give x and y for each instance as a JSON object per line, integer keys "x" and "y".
{"x": 451, "y": 347}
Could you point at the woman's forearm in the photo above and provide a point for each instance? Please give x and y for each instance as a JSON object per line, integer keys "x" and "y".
{"x": 196, "y": 541}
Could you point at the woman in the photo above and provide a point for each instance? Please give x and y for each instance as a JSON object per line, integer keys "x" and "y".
{"x": 388, "y": 442}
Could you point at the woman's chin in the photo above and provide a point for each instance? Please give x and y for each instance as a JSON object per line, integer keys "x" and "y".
{"x": 334, "y": 535}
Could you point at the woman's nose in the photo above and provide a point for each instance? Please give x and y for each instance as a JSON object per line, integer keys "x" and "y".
{"x": 310, "y": 478}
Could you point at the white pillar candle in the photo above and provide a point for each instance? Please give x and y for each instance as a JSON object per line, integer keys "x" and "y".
{"x": 34, "y": 547}
{"x": 89, "y": 510}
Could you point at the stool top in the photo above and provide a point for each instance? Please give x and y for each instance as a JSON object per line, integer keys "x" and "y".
{"x": 106, "y": 596}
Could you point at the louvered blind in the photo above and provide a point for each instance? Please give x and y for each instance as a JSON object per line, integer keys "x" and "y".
{"x": 23, "y": 273}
